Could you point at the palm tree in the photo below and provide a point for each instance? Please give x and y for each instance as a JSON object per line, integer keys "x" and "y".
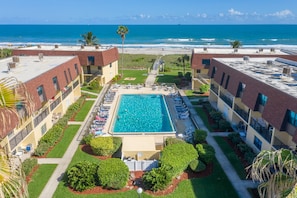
{"x": 122, "y": 31}
{"x": 184, "y": 59}
{"x": 89, "y": 39}
{"x": 12, "y": 178}
{"x": 235, "y": 44}
{"x": 276, "y": 172}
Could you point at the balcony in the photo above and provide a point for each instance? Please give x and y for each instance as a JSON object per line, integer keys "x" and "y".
{"x": 262, "y": 129}
{"x": 243, "y": 114}
{"x": 226, "y": 99}
{"x": 214, "y": 88}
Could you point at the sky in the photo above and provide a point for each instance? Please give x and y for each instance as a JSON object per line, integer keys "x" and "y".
{"x": 128, "y": 12}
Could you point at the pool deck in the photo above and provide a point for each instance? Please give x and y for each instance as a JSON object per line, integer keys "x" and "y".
{"x": 179, "y": 125}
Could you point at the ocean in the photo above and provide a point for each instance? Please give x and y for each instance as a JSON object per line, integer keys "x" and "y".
{"x": 153, "y": 35}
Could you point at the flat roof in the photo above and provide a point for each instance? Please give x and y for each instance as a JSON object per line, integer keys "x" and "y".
{"x": 262, "y": 51}
{"x": 67, "y": 48}
{"x": 30, "y": 67}
{"x": 276, "y": 72}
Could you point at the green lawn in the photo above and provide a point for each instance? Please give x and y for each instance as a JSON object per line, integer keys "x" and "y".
{"x": 232, "y": 157}
{"x": 60, "y": 148}
{"x": 139, "y": 75}
{"x": 91, "y": 90}
{"x": 89, "y": 95}
{"x": 84, "y": 110}
{"x": 204, "y": 118}
{"x": 214, "y": 185}
{"x": 40, "y": 178}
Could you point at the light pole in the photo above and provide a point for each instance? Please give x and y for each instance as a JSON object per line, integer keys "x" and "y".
{"x": 139, "y": 191}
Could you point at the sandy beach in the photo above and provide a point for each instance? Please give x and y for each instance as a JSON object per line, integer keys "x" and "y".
{"x": 157, "y": 50}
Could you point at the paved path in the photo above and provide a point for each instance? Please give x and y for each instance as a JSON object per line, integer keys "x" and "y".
{"x": 63, "y": 163}
{"x": 150, "y": 80}
{"x": 239, "y": 185}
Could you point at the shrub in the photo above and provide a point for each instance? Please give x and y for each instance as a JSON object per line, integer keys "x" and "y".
{"x": 113, "y": 173}
{"x": 200, "y": 136}
{"x": 172, "y": 140}
{"x": 158, "y": 178}
{"x": 216, "y": 115}
{"x": 204, "y": 88}
{"x": 243, "y": 147}
{"x": 249, "y": 157}
{"x": 87, "y": 139}
{"x": 28, "y": 165}
{"x": 197, "y": 166}
{"x": 41, "y": 149}
{"x": 206, "y": 153}
{"x": 178, "y": 156}
{"x": 224, "y": 125}
{"x": 82, "y": 175}
{"x": 234, "y": 138}
{"x": 105, "y": 146}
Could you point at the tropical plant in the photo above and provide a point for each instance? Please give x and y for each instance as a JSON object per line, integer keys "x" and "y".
{"x": 158, "y": 178}
{"x": 89, "y": 39}
{"x": 276, "y": 172}
{"x": 82, "y": 175}
{"x": 122, "y": 31}
{"x": 28, "y": 165}
{"x": 13, "y": 96}
{"x": 235, "y": 44}
{"x": 12, "y": 179}
{"x": 184, "y": 59}
{"x": 113, "y": 173}
{"x": 204, "y": 88}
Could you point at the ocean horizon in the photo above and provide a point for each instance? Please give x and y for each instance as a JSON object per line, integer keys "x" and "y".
{"x": 185, "y": 36}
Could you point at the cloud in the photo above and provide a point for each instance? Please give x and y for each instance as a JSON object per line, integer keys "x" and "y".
{"x": 282, "y": 14}
{"x": 235, "y": 12}
{"x": 143, "y": 16}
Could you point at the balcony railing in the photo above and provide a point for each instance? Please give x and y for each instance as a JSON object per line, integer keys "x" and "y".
{"x": 241, "y": 112}
{"x": 226, "y": 99}
{"x": 214, "y": 88}
{"x": 262, "y": 130}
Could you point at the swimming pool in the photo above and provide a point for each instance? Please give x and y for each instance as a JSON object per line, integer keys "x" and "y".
{"x": 142, "y": 113}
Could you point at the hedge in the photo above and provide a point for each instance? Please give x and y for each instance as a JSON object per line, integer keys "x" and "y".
{"x": 197, "y": 166}
{"x": 178, "y": 156}
{"x": 113, "y": 173}
{"x": 105, "y": 146}
{"x": 28, "y": 165}
{"x": 200, "y": 136}
{"x": 172, "y": 140}
{"x": 82, "y": 175}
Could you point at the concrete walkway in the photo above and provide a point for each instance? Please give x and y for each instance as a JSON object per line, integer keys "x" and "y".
{"x": 63, "y": 163}
{"x": 239, "y": 185}
{"x": 151, "y": 78}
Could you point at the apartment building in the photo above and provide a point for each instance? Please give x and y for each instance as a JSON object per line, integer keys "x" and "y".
{"x": 53, "y": 83}
{"x": 96, "y": 61}
{"x": 258, "y": 95}
{"x": 201, "y": 59}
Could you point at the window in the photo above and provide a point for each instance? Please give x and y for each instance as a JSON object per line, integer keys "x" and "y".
{"x": 227, "y": 82}
{"x": 292, "y": 117}
{"x": 257, "y": 143}
{"x": 91, "y": 60}
{"x": 240, "y": 89}
{"x": 43, "y": 129}
{"x": 66, "y": 77}
{"x": 41, "y": 93}
{"x": 262, "y": 99}
{"x": 222, "y": 79}
{"x": 213, "y": 72}
{"x": 205, "y": 61}
{"x": 69, "y": 74}
{"x": 76, "y": 69}
{"x": 56, "y": 83}
{"x": 198, "y": 71}
{"x": 110, "y": 65}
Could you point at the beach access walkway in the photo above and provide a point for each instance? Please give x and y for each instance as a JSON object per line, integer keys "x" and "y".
{"x": 151, "y": 78}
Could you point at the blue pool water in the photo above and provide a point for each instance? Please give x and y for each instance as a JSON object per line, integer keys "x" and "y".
{"x": 142, "y": 113}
